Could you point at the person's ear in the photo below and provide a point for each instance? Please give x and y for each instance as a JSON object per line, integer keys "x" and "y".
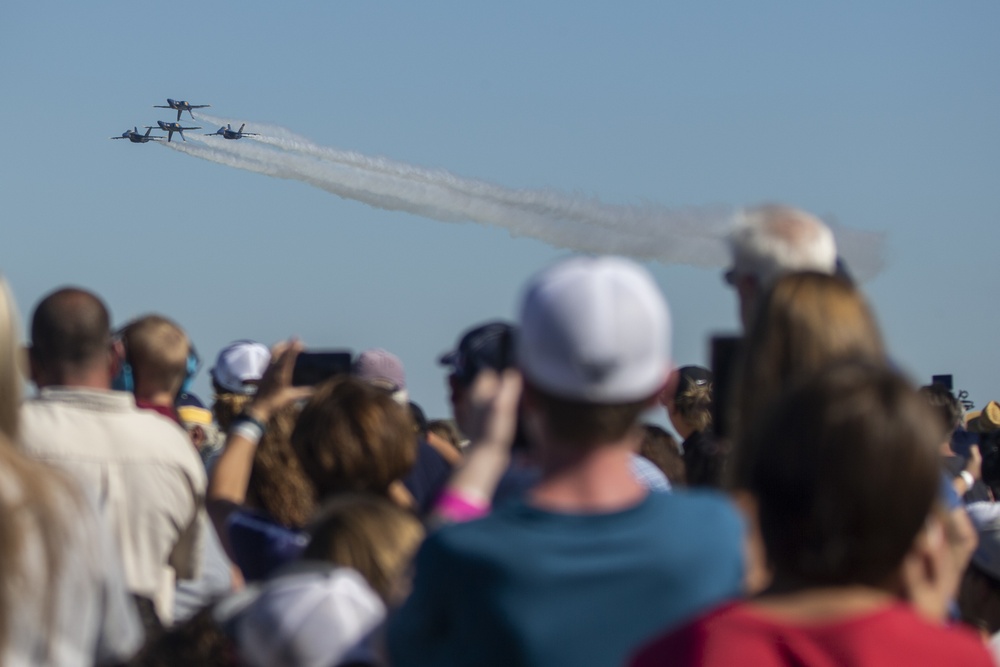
{"x": 669, "y": 389}
{"x": 198, "y": 436}
{"x": 926, "y": 573}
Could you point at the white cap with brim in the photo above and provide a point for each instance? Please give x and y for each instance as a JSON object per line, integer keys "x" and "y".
{"x": 595, "y": 329}
{"x": 315, "y": 615}
{"x": 240, "y": 366}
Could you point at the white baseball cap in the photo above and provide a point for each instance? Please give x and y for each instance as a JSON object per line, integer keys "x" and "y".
{"x": 595, "y": 329}
{"x": 313, "y": 615}
{"x": 240, "y": 363}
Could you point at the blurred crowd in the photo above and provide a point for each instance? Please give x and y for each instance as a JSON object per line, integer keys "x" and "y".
{"x": 809, "y": 505}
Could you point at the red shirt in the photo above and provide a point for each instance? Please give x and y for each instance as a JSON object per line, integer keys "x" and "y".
{"x": 167, "y": 412}
{"x": 739, "y": 634}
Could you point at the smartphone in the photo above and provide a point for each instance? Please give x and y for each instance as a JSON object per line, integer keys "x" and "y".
{"x": 946, "y": 381}
{"x": 726, "y": 352}
{"x": 313, "y": 367}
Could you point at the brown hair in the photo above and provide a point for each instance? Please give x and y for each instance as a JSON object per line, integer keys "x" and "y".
{"x": 10, "y": 377}
{"x": 693, "y": 404}
{"x": 277, "y": 484}
{"x": 370, "y": 534}
{"x": 353, "y": 437}
{"x": 196, "y": 642}
{"x": 586, "y": 423}
{"x": 663, "y": 451}
{"x": 845, "y": 472}
{"x": 158, "y": 349}
{"x": 807, "y": 321}
{"x": 447, "y": 431}
{"x": 227, "y": 406}
{"x": 944, "y": 404}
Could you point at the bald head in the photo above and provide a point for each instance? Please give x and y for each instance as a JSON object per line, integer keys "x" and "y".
{"x": 70, "y": 336}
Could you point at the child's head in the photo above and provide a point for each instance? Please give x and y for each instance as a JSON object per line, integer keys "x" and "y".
{"x": 369, "y": 534}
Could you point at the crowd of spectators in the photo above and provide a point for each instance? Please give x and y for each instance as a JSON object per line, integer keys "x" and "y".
{"x": 812, "y": 506}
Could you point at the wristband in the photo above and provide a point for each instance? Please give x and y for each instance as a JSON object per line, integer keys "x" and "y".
{"x": 967, "y": 478}
{"x": 248, "y": 428}
{"x": 457, "y": 507}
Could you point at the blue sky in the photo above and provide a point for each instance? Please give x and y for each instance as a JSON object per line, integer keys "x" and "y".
{"x": 881, "y": 114}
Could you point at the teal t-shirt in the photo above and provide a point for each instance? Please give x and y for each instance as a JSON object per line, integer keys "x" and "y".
{"x": 525, "y": 586}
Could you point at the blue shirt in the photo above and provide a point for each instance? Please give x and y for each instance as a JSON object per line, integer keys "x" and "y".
{"x": 525, "y": 586}
{"x": 260, "y": 544}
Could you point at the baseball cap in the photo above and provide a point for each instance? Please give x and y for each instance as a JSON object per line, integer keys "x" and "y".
{"x": 191, "y": 410}
{"x": 384, "y": 370}
{"x": 595, "y": 329}
{"x": 488, "y": 345}
{"x": 692, "y": 376}
{"x": 239, "y": 363}
{"x": 314, "y": 615}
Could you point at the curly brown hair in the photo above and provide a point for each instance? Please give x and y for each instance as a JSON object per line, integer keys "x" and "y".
{"x": 277, "y": 484}
{"x": 353, "y": 437}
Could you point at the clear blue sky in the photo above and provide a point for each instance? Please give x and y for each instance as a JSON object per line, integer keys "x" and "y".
{"x": 882, "y": 114}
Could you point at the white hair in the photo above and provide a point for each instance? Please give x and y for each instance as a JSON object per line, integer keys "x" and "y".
{"x": 772, "y": 240}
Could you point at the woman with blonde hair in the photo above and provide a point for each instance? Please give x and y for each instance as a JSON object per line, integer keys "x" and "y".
{"x": 62, "y": 594}
{"x": 808, "y": 321}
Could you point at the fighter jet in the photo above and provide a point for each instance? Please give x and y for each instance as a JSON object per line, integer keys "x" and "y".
{"x": 228, "y": 132}
{"x": 181, "y": 105}
{"x": 170, "y": 128}
{"x": 136, "y": 138}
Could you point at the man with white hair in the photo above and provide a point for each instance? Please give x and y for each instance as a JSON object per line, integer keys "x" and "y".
{"x": 589, "y": 564}
{"x": 771, "y": 240}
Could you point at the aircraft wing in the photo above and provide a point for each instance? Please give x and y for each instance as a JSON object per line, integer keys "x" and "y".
{"x": 200, "y": 106}
{"x": 161, "y": 106}
{"x": 250, "y": 134}
{"x": 189, "y": 128}
{"x": 117, "y": 137}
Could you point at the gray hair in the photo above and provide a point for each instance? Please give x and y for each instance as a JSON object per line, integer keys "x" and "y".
{"x": 771, "y": 240}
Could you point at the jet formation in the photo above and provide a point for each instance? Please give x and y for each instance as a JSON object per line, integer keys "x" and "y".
{"x": 170, "y": 128}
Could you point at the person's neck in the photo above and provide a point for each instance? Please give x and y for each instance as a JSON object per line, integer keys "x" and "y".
{"x": 797, "y": 602}
{"x": 595, "y": 480}
{"x": 161, "y": 399}
{"x": 82, "y": 380}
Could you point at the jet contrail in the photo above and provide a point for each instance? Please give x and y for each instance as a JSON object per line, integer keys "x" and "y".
{"x": 688, "y": 236}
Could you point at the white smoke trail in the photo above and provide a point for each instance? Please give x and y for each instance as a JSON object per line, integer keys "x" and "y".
{"x": 691, "y": 236}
